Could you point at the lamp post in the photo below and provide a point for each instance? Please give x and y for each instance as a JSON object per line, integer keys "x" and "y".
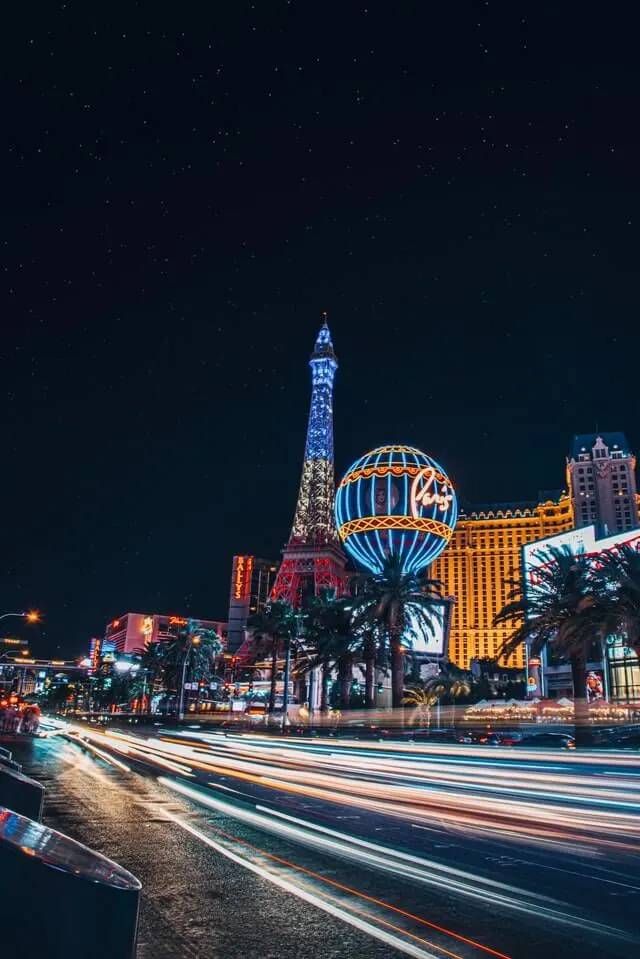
{"x": 33, "y": 616}
{"x": 25, "y": 652}
{"x": 287, "y": 671}
{"x": 14, "y": 663}
{"x": 193, "y": 641}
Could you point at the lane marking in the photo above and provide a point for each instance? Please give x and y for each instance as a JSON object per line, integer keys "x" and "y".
{"x": 329, "y": 907}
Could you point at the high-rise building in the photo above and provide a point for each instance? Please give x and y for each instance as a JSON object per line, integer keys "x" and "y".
{"x": 252, "y": 581}
{"x": 602, "y": 482}
{"x": 483, "y": 555}
{"x": 131, "y": 632}
{"x": 313, "y": 558}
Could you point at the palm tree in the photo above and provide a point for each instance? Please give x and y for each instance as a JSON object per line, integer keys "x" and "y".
{"x": 317, "y": 617}
{"x": 274, "y": 628}
{"x": 193, "y": 647}
{"x": 331, "y": 642}
{"x": 452, "y": 684}
{"x": 563, "y": 609}
{"x": 423, "y": 700}
{"x": 138, "y": 690}
{"x": 619, "y": 572}
{"x": 372, "y": 650}
{"x": 151, "y": 658}
{"x": 400, "y": 605}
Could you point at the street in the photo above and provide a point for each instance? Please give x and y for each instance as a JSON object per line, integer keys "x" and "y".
{"x": 255, "y": 846}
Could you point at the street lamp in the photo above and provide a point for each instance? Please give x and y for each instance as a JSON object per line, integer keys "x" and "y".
{"x": 32, "y": 616}
{"x": 16, "y": 662}
{"x": 287, "y": 671}
{"x": 9, "y": 652}
{"x": 193, "y": 641}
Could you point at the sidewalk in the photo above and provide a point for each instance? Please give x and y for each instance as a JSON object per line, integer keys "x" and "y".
{"x": 195, "y": 903}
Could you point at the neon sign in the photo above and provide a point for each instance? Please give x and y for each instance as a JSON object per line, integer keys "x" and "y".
{"x": 177, "y": 621}
{"x": 147, "y": 626}
{"x": 395, "y": 499}
{"x": 242, "y": 577}
{"x": 95, "y": 658}
{"x": 428, "y": 494}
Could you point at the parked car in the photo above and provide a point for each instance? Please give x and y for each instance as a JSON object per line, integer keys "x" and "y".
{"x": 509, "y": 739}
{"x": 433, "y": 735}
{"x": 547, "y": 741}
{"x": 611, "y": 736}
{"x": 629, "y": 741}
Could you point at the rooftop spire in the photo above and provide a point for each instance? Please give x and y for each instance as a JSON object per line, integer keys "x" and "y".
{"x": 324, "y": 347}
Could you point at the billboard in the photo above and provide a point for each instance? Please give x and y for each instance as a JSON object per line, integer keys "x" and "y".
{"x": 579, "y": 541}
{"x": 621, "y": 662}
{"x": 434, "y": 643}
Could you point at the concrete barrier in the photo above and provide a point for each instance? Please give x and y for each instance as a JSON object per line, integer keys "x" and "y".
{"x": 60, "y": 898}
{"x": 6, "y": 759}
{"x": 19, "y": 793}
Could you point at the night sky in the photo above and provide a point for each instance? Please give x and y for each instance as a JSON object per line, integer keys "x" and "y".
{"x": 187, "y": 188}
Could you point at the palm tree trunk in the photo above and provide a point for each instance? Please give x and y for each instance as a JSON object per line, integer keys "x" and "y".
{"x": 397, "y": 674}
{"x": 346, "y": 678}
{"x": 582, "y": 732}
{"x": 274, "y": 677}
{"x": 287, "y": 670}
{"x": 324, "y": 690}
{"x": 370, "y": 673}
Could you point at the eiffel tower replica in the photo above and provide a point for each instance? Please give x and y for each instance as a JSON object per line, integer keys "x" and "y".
{"x": 313, "y": 558}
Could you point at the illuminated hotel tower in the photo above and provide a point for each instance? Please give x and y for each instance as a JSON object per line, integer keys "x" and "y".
{"x": 602, "y": 483}
{"x": 313, "y": 559}
{"x": 483, "y": 555}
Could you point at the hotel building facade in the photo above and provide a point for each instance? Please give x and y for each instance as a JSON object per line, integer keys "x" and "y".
{"x": 483, "y": 555}
{"x": 252, "y": 580}
{"x": 485, "y": 551}
{"x": 131, "y": 632}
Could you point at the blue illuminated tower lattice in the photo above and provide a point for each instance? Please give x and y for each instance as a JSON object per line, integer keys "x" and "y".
{"x": 313, "y": 558}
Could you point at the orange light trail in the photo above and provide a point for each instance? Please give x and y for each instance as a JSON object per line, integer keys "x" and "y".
{"x": 373, "y": 900}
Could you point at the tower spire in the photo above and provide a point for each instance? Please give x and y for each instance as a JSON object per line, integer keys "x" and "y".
{"x": 313, "y": 520}
{"x": 313, "y": 551}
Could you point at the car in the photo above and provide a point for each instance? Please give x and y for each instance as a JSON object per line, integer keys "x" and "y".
{"x": 630, "y": 741}
{"x": 509, "y": 739}
{"x": 433, "y": 735}
{"x": 547, "y": 741}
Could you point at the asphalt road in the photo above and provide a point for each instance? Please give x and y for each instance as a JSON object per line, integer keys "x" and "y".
{"x": 248, "y": 846}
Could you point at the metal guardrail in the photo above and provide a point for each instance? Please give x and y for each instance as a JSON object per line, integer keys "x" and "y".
{"x": 18, "y": 792}
{"x": 82, "y": 900}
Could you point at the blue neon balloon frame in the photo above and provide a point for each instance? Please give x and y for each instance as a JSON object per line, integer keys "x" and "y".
{"x": 385, "y": 478}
